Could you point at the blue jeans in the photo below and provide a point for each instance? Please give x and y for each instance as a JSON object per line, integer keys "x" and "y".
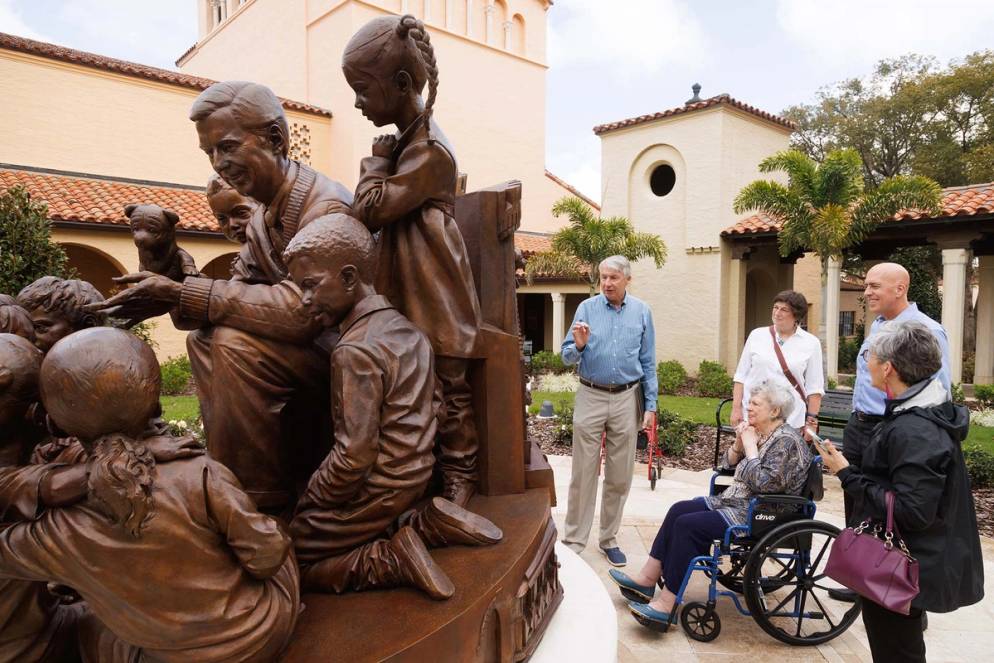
{"x": 687, "y": 531}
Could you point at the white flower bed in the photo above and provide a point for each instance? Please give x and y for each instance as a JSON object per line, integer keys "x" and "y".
{"x": 983, "y": 417}
{"x": 566, "y": 382}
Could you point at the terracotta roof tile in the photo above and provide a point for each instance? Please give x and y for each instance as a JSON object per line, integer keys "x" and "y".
{"x": 64, "y": 54}
{"x": 78, "y": 198}
{"x": 720, "y": 100}
{"x": 569, "y": 187}
{"x": 957, "y": 202}
{"x": 101, "y": 201}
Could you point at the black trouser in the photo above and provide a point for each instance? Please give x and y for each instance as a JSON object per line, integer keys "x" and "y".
{"x": 855, "y": 438}
{"x": 894, "y": 638}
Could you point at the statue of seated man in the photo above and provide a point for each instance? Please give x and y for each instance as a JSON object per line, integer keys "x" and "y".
{"x": 385, "y": 404}
{"x": 173, "y": 559}
{"x": 254, "y": 349}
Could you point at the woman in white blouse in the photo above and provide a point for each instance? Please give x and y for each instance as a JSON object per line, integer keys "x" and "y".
{"x": 800, "y": 351}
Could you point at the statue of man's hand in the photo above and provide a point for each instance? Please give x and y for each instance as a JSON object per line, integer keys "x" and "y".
{"x": 151, "y": 296}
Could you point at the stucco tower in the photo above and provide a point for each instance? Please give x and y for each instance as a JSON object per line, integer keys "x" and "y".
{"x": 675, "y": 174}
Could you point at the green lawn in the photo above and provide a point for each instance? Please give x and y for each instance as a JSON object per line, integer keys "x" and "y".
{"x": 701, "y": 410}
{"x": 180, "y": 407}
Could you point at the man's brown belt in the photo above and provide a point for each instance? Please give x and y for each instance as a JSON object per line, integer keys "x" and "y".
{"x": 609, "y": 388}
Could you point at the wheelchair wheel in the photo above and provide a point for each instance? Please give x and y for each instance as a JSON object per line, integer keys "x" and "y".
{"x": 653, "y": 475}
{"x": 786, "y": 588}
{"x": 700, "y": 621}
{"x": 732, "y": 578}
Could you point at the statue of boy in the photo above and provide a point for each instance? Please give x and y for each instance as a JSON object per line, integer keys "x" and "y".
{"x": 255, "y": 340}
{"x": 173, "y": 560}
{"x": 385, "y": 405}
{"x": 59, "y": 307}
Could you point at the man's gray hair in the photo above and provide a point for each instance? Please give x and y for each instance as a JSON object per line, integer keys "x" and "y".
{"x": 778, "y": 394}
{"x": 910, "y": 347}
{"x": 618, "y": 264}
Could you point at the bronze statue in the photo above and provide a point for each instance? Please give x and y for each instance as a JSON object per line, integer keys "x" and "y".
{"x": 253, "y": 338}
{"x": 173, "y": 560}
{"x": 58, "y": 307}
{"x": 232, "y": 210}
{"x": 154, "y": 232}
{"x": 14, "y": 319}
{"x": 406, "y": 191}
{"x": 385, "y": 406}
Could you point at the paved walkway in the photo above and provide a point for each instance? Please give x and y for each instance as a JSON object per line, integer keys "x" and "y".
{"x": 966, "y": 635}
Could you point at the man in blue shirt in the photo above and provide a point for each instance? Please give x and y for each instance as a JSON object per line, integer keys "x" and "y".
{"x": 886, "y": 295}
{"x": 613, "y": 341}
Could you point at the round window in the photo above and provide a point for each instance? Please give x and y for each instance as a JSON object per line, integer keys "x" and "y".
{"x": 662, "y": 179}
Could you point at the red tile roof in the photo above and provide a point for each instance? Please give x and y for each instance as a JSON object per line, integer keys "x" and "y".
{"x": 569, "y": 187}
{"x": 63, "y": 54}
{"x": 78, "y": 198}
{"x": 957, "y": 202}
{"x": 720, "y": 100}
{"x": 87, "y": 199}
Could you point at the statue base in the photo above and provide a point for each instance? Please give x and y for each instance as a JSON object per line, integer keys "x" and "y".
{"x": 505, "y": 597}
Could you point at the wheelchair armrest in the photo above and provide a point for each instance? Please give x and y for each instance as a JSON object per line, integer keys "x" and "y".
{"x": 723, "y": 472}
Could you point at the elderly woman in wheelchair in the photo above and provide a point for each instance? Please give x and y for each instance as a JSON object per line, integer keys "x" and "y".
{"x": 769, "y": 456}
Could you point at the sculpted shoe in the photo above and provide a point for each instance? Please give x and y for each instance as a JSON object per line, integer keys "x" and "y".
{"x": 629, "y": 589}
{"x": 416, "y": 568}
{"x": 458, "y": 489}
{"x": 444, "y": 523}
{"x": 650, "y": 618}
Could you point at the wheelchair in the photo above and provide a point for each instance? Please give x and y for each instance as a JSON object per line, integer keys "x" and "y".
{"x": 775, "y": 564}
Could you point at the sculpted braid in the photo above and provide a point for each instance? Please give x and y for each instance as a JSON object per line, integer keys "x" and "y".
{"x": 410, "y": 26}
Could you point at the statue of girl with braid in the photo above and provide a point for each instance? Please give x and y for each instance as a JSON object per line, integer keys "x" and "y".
{"x": 406, "y": 191}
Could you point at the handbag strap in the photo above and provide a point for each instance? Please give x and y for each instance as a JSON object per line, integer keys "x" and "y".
{"x": 786, "y": 369}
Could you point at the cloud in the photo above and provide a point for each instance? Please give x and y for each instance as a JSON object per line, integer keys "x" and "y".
{"x": 631, "y": 37}
{"x": 851, "y": 32}
{"x": 12, "y": 22}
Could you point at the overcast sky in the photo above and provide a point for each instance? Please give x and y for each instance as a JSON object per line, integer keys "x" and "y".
{"x": 611, "y": 59}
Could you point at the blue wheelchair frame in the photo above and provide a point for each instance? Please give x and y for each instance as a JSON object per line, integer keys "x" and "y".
{"x": 708, "y": 564}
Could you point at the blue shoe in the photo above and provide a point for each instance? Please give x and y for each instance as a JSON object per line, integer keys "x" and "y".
{"x": 631, "y": 590}
{"x": 646, "y": 616}
{"x": 614, "y": 556}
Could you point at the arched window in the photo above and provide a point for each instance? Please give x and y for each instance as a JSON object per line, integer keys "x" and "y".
{"x": 518, "y": 34}
{"x": 497, "y": 24}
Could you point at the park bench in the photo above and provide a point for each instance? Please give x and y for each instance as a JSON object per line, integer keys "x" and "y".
{"x": 836, "y": 406}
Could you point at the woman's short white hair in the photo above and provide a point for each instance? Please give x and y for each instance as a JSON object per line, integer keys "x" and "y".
{"x": 617, "y": 264}
{"x": 778, "y": 394}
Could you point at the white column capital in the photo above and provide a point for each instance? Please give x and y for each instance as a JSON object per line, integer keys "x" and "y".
{"x": 955, "y": 256}
{"x": 557, "y": 297}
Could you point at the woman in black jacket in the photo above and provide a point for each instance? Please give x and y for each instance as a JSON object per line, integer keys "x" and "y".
{"x": 915, "y": 453}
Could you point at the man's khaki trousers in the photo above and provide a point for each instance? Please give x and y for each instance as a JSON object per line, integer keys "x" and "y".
{"x": 616, "y": 415}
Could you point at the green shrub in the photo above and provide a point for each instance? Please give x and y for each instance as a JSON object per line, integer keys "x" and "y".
{"x": 564, "y": 433}
{"x": 713, "y": 380}
{"x": 548, "y": 361}
{"x": 832, "y": 384}
{"x": 176, "y": 375}
{"x": 969, "y": 367}
{"x": 958, "y": 395}
{"x": 984, "y": 393}
{"x": 848, "y": 381}
{"x": 675, "y": 433}
{"x": 980, "y": 466}
{"x": 672, "y": 376}
{"x": 848, "y": 351}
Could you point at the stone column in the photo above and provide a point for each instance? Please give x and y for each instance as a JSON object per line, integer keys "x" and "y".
{"x": 405, "y": 7}
{"x": 832, "y": 285}
{"x": 558, "y": 320}
{"x": 427, "y": 10}
{"x": 735, "y": 305}
{"x": 954, "y": 262}
{"x": 490, "y": 36}
{"x": 450, "y": 13}
{"x": 984, "y": 371}
{"x": 507, "y": 35}
{"x": 469, "y": 18}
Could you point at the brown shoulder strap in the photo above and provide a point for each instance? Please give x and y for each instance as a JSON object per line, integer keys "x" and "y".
{"x": 786, "y": 369}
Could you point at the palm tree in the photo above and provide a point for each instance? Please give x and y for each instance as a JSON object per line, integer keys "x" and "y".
{"x": 824, "y": 207}
{"x": 582, "y": 244}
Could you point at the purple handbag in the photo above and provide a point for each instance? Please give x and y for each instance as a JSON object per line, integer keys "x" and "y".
{"x": 873, "y": 563}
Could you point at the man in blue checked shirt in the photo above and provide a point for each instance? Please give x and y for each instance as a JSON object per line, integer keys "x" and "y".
{"x": 613, "y": 340}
